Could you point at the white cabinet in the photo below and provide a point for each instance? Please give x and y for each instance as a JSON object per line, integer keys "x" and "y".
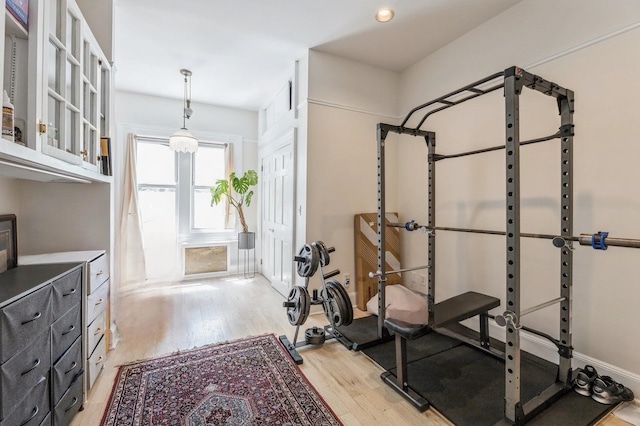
{"x": 59, "y": 81}
{"x": 76, "y": 68}
{"x": 95, "y": 304}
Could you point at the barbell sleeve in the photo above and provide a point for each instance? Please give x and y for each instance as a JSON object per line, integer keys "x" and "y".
{"x": 510, "y": 316}
{"x": 397, "y": 271}
{"x": 602, "y": 239}
{"x": 331, "y": 274}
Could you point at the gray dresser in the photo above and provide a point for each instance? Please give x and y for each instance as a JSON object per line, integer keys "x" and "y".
{"x": 41, "y": 380}
{"x": 95, "y": 307}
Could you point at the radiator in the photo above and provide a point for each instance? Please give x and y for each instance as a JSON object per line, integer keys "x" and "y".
{"x": 209, "y": 259}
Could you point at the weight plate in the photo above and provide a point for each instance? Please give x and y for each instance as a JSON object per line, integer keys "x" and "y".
{"x": 330, "y": 307}
{"x": 323, "y": 252}
{"x": 314, "y": 336}
{"x": 308, "y": 266}
{"x": 336, "y": 304}
{"x": 298, "y": 313}
{"x": 344, "y": 302}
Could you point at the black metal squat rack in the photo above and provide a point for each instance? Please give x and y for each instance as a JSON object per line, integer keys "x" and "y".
{"x": 512, "y": 80}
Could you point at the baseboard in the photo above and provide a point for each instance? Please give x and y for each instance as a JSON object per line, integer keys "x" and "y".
{"x": 544, "y": 349}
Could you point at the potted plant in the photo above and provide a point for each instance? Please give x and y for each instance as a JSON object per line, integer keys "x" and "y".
{"x": 238, "y": 192}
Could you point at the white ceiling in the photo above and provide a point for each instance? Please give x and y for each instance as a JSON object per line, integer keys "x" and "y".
{"x": 240, "y": 51}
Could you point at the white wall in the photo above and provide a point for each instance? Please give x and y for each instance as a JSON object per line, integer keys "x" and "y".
{"x": 591, "y": 48}
{"x": 63, "y": 217}
{"x": 158, "y": 116}
{"x": 346, "y": 100}
{"x": 9, "y": 201}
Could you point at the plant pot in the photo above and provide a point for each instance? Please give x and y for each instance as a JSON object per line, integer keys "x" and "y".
{"x": 246, "y": 240}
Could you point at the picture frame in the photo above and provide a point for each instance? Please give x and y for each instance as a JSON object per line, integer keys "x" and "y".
{"x": 8, "y": 242}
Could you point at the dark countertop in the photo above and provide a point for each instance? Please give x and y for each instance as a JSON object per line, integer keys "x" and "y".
{"x": 22, "y": 280}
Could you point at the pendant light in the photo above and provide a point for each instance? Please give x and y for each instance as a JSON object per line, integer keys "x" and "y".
{"x": 183, "y": 140}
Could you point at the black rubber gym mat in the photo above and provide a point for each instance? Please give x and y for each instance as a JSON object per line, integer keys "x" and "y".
{"x": 385, "y": 356}
{"x": 362, "y": 331}
{"x": 467, "y": 386}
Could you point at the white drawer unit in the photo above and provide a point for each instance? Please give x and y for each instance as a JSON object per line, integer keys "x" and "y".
{"x": 95, "y": 362}
{"x": 95, "y": 332}
{"x": 98, "y": 273}
{"x": 95, "y": 304}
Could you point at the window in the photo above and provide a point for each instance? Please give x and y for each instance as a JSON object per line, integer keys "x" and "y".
{"x": 175, "y": 201}
{"x": 209, "y": 166}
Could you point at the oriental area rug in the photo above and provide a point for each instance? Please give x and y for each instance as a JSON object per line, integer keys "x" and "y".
{"x": 250, "y": 381}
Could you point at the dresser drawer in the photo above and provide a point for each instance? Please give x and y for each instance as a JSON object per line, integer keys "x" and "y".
{"x": 95, "y": 331}
{"x": 67, "y": 370}
{"x": 98, "y": 273}
{"x": 23, "y": 320}
{"x": 68, "y": 405}
{"x": 67, "y": 291}
{"x": 65, "y": 331}
{"x": 24, "y": 371}
{"x": 33, "y": 409}
{"x": 97, "y": 302}
{"x": 96, "y": 361}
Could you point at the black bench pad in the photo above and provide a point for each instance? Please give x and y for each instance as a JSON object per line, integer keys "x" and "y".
{"x": 463, "y": 306}
{"x": 405, "y": 329}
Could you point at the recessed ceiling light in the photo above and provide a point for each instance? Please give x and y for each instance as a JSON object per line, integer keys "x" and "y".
{"x": 384, "y": 15}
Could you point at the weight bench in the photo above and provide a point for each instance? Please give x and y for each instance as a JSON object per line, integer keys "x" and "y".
{"x": 452, "y": 310}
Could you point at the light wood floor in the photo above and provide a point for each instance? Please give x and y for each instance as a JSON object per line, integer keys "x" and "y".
{"x": 161, "y": 319}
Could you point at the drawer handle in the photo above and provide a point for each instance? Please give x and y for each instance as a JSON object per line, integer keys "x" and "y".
{"x": 74, "y": 402}
{"x": 71, "y": 328}
{"x": 35, "y": 413}
{"x": 35, "y": 317}
{"x": 73, "y": 291}
{"x": 35, "y": 365}
{"x": 73, "y": 367}
{"x": 99, "y": 273}
{"x": 98, "y": 331}
{"x": 99, "y": 360}
{"x": 100, "y": 302}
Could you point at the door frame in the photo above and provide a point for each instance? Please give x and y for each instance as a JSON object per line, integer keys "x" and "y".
{"x": 264, "y": 152}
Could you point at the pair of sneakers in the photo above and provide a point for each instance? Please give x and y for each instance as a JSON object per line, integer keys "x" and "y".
{"x": 602, "y": 389}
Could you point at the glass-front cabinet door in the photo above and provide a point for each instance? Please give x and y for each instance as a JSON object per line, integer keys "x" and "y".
{"x": 75, "y": 67}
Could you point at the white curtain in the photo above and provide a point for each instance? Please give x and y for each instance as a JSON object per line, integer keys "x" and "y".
{"x": 132, "y": 263}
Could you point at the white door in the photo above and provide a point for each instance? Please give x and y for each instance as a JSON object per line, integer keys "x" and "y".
{"x": 277, "y": 216}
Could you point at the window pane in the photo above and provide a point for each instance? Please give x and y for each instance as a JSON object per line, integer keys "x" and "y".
{"x": 157, "y": 209}
{"x": 209, "y": 165}
{"x": 54, "y": 122}
{"x": 54, "y": 18}
{"x": 204, "y": 214}
{"x": 70, "y": 138}
{"x": 156, "y": 164}
{"x": 54, "y": 66}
